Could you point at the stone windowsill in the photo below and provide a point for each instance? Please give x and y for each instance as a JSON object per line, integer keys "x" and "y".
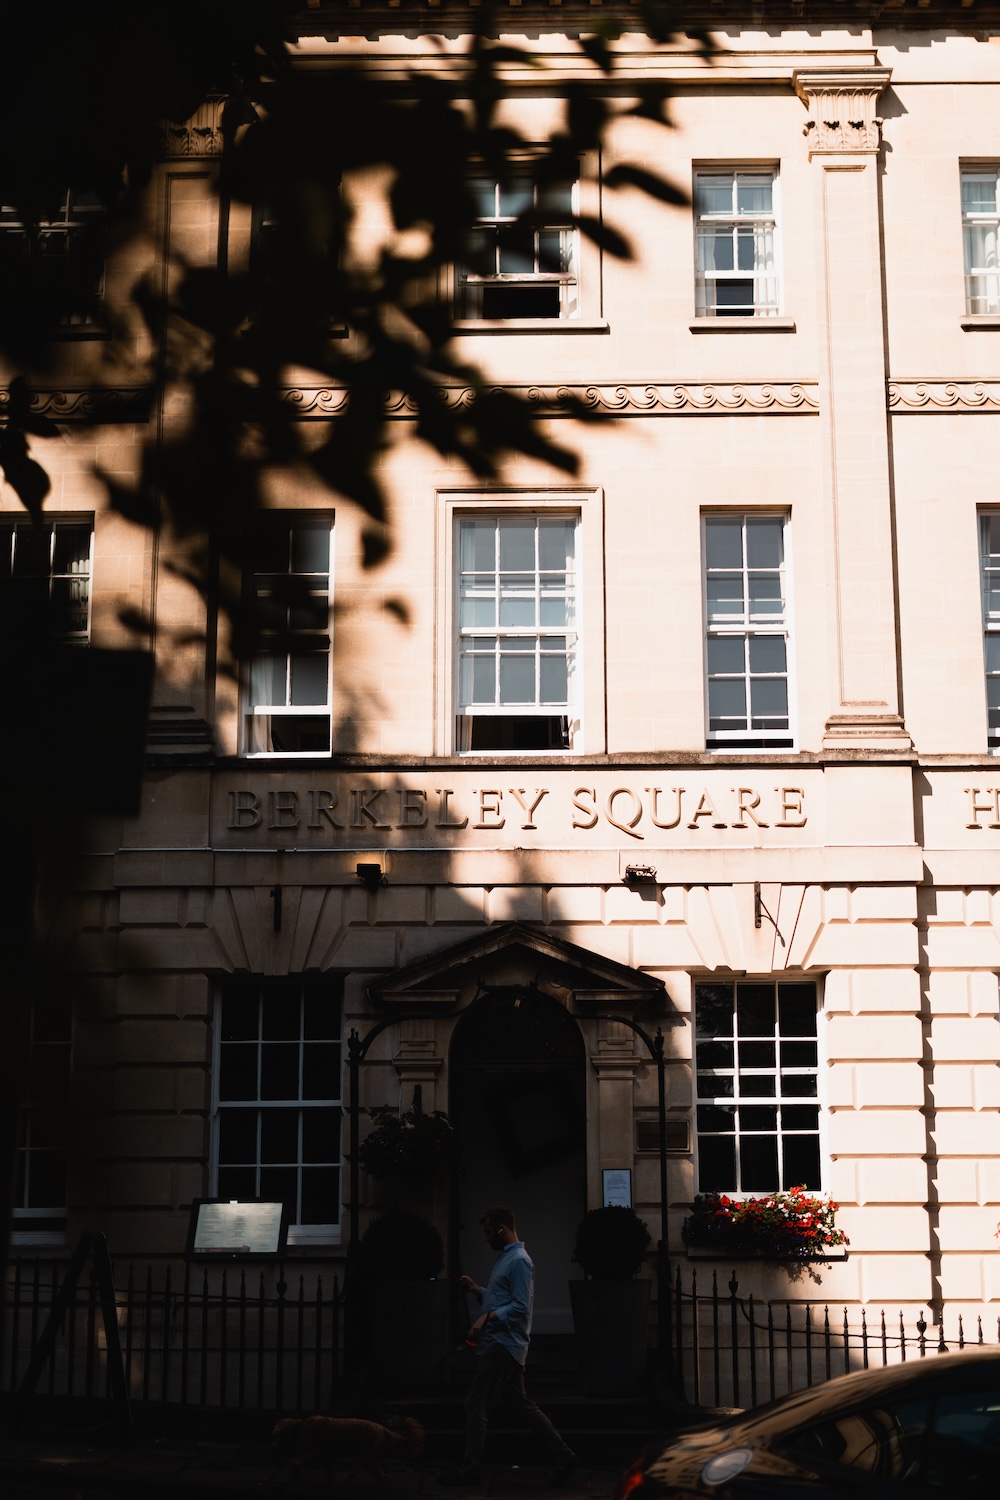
{"x": 531, "y": 325}
{"x": 980, "y": 320}
{"x": 742, "y": 325}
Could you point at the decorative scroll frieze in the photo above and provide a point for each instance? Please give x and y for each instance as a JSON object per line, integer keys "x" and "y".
{"x": 788, "y": 397}
{"x": 944, "y": 395}
{"x": 94, "y": 404}
{"x": 842, "y": 104}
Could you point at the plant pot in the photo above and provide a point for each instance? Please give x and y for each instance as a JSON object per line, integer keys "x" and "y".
{"x": 611, "y": 1320}
{"x": 408, "y": 1324}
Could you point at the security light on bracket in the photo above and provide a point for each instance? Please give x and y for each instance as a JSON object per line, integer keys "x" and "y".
{"x": 371, "y": 876}
{"x": 634, "y": 874}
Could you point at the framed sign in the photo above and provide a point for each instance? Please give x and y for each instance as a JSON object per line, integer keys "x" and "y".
{"x": 617, "y": 1187}
{"x": 223, "y": 1229}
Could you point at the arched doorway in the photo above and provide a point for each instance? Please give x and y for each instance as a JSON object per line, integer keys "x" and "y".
{"x": 518, "y": 1102}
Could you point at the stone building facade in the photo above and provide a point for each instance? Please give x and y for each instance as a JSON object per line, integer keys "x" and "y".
{"x": 703, "y": 740}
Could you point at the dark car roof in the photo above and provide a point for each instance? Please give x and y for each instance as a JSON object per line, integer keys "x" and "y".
{"x": 867, "y": 1385}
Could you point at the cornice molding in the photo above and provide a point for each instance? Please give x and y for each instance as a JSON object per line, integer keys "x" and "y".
{"x": 632, "y": 400}
{"x": 943, "y": 395}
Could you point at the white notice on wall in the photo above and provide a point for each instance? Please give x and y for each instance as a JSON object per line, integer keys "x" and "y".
{"x": 238, "y": 1229}
{"x": 617, "y": 1187}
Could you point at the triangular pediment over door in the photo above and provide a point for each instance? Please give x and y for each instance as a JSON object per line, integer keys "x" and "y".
{"x": 515, "y": 954}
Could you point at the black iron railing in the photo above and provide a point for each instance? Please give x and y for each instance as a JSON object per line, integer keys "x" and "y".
{"x": 734, "y": 1351}
{"x": 220, "y": 1337}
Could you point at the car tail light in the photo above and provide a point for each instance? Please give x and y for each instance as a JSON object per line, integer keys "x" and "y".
{"x": 630, "y": 1481}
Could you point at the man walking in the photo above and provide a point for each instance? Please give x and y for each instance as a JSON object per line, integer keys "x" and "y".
{"x": 501, "y": 1334}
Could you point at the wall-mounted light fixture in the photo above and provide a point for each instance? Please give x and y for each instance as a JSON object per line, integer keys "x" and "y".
{"x": 371, "y": 876}
{"x": 639, "y": 872}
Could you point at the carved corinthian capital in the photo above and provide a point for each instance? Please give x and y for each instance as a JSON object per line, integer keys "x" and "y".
{"x": 842, "y": 104}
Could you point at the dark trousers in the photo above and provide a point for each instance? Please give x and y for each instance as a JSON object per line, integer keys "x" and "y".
{"x": 498, "y": 1378}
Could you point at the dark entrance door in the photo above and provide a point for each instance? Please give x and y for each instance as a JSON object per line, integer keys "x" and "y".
{"x": 518, "y": 1104}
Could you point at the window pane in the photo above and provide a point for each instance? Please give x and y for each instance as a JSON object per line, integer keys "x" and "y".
{"x": 517, "y": 679}
{"x": 800, "y": 1166}
{"x": 321, "y": 1135}
{"x": 717, "y": 1164}
{"x": 726, "y": 701}
{"x": 555, "y": 199}
{"x": 516, "y": 198}
{"x": 713, "y": 1010}
{"x": 716, "y": 1086}
{"x": 517, "y": 251}
{"x": 753, "y": 194}
{"x": 755, "y": 1009}
{"x": 556, "y": 545}
{"x": 238, "y": 1072}
{"x": 321, "y": 1018}
{"x": 310, "y": 549}
{"x": 765, "y": 595}
{"x": 759, "y": 1117}
{"x": 478, "y": 547}
{"x": 800, "y": 1116}
{"x": 714, "y": 195}
{"x": 320, "y": 1195}
{"x": 517, "y": 611}
{"x": 238, "y": 1135}
{"x": 765, "y": 542}
{"x": 767, "y": 653}
{"x": 757, "y": 1054}
{"x": 759, "y": 1163}
{"x": 979, "y": 192}
{"x": 715, "y": 248}
{"x": 797, "y": 1009}
{"x": 714, "y": 1054}
{"x": 758, "y": 1085}
{"x": 321, "y": 1071}
{"x": 725, "y": 653}
{"x": 769, "y": 700}
{"x": 517, "y": 545}
{"x": 279, "y": 1135}
{"x": 279, "y": 1071}
{"x": 798, "y": 1054}
{"x": 554, "y": 683}
{"x": 724, "y": 542}
{"x": 280, "y": 1185}
{"x": 282, "y": 1013}
{"x": 309, "y": 679}
{"x": 725, "y": 596}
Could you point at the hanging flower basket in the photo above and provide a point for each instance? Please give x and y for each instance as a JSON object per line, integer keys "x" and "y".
{"x": 412, "y": 1144}
{"x": 792, "y": 1226}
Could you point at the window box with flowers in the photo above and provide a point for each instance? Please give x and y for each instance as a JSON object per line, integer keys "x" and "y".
{"x": 792, "y": 1227}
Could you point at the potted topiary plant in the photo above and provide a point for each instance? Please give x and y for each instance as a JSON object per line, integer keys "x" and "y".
{"x": 399, "y": 1257}
{"x": 611, "y": 1307}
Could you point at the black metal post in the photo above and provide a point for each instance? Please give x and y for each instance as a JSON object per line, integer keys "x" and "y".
{"x": 664, "y": 1321}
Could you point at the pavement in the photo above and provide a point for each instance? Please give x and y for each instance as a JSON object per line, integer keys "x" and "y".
{"x": 43, "y": 1467}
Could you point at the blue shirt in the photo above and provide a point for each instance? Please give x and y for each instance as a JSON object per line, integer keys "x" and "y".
{"x": 509, "y": 1294}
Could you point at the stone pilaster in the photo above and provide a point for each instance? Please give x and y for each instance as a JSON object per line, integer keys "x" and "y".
{"x": 843, "y": 135}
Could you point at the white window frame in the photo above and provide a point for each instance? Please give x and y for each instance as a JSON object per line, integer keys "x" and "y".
{"x": 257, "y": 716}
{"x": 989, "y": 563}
{"x": 767, "y": 284}
{"x": 746, "y": 627}
{"x": 743, "y": 1097}
{"x": 579, "y": 282}
{"x": 78, "y": 579}
{"x": 587, "y": 710}
{"x": 982, "y": 283}
{"x": 298, "y": 1233}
